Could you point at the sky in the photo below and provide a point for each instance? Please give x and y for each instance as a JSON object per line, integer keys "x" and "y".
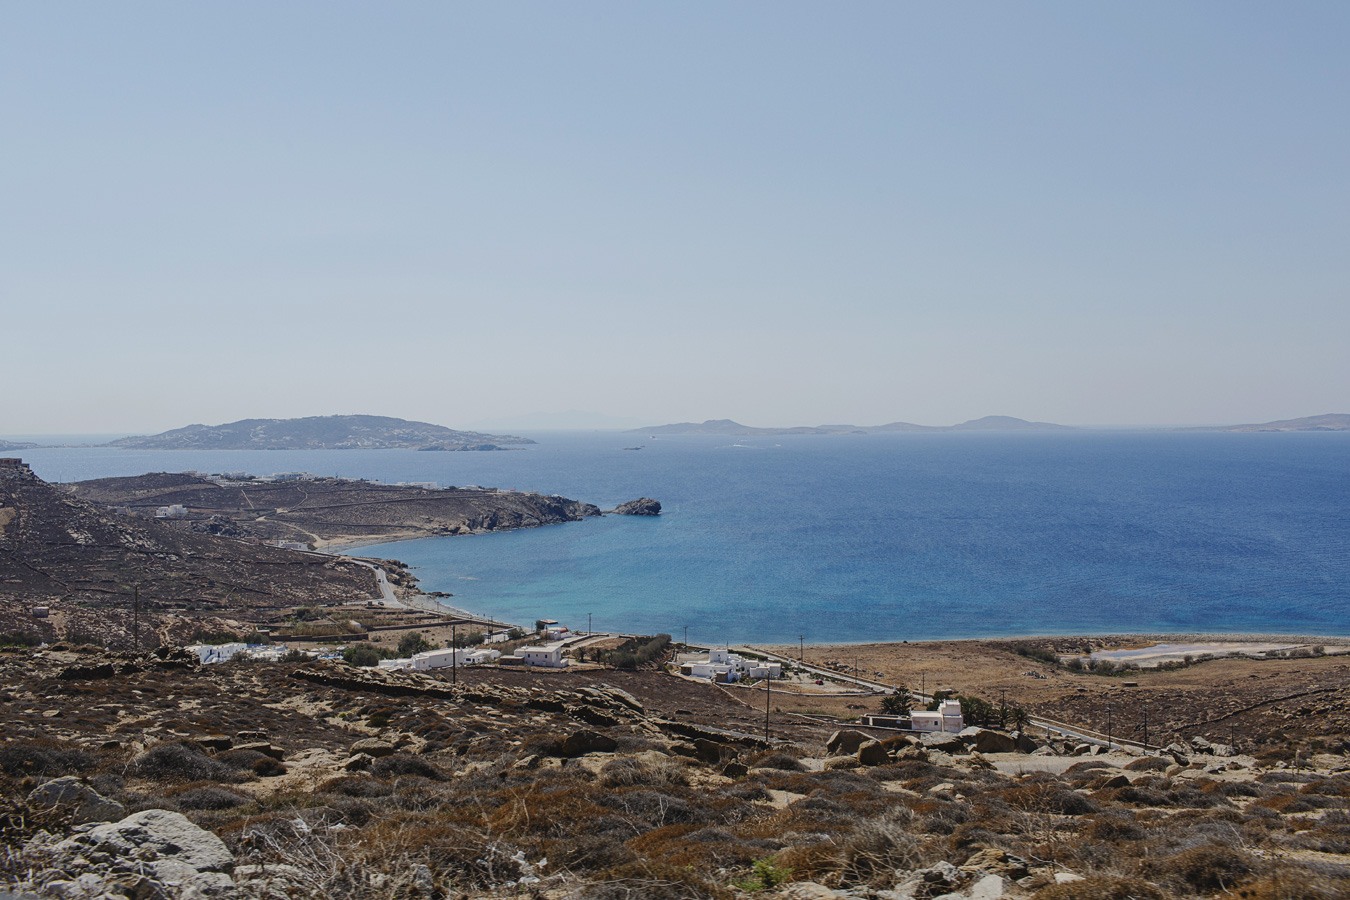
{"x": 782, "y": 213}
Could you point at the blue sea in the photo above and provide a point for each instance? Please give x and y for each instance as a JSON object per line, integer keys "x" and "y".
{"x": 878, "y": 537}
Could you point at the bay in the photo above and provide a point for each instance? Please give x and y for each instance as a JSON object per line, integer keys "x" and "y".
{"x": 878, "y": 537}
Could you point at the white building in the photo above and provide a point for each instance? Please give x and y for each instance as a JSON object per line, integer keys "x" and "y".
{"x": 946, "y": 718}
{"x": 442, "y": 659}
{"x": 176, "y": 511}
{"x": 549, "y": 656}
{"x": 215, "y": 653}
{"x": 730, "y": 666}
{"x": 497, "y": 637}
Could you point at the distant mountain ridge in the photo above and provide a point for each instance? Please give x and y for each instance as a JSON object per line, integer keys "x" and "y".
{"x": 1325, "y": 422}
{"x": 319, "y": 433}
{"x": 730, "y": 428}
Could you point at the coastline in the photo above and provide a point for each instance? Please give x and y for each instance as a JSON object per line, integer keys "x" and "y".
{"x": 344, "y": 546}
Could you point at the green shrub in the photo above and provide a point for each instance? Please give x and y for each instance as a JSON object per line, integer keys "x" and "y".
{"x": 366, "y": 655}
{"x": 765, "y": 875}
{"x": 412, "y": 643}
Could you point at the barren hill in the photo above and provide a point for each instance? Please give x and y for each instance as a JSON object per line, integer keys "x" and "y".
{"x": 86, "y": 562}
{"x": 320, "y": 433}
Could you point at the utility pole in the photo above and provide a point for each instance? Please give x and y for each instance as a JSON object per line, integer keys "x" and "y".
{"x": 801, "y": 648}
{"x": 686, "y": 637}
{"x": 588, "y": 625}
{"x": 1108, "y": 726}
{"x": 768, "y": 692}
{"x": 1146, "y": 727}
{"x": 454, "y": 653}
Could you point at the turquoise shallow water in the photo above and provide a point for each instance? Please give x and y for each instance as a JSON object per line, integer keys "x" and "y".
{"x": 851, "y": 538}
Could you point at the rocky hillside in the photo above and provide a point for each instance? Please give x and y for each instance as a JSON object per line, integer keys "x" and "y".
{"x": 151, "y": 776}
{"x": 321, "y": 510}
{"x": 320, "y": 433}
{"x": 83, "y": 560}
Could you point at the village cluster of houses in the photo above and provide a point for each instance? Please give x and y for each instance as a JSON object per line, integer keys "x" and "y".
{"x": 727, "y": 667}
{"x": 218, "y": 653}
{"x": 548, "y": 656}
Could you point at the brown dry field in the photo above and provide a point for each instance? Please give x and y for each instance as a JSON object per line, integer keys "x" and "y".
{"x": 1259, "y": 700}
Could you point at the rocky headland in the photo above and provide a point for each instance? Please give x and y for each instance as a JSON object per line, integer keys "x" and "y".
{"x": 326, "y": 512}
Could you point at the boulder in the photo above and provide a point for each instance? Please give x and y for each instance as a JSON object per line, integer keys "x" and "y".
{"x": 579, "y": 743}
{"x": 896, "y": 743}
{"x": 161, "y": 853}
{"x": 70, "y": 795}
{"x": 372, "y": 747}
{"x": 735, "y": 770}
{"x": 1025, "y": 742}
{"x": 215, "y": 742}
{"x": 845, "y": 741}
{"x": 990, "y": 887}
{"x": 873, "y": 753}
{"x": 987, "y": 740}
{"x": 946, "y": 741}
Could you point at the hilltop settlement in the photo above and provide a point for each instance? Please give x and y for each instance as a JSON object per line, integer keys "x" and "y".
{"x": 195, "y": 702}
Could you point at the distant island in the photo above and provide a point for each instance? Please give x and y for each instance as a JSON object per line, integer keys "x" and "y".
{"x": 6, "y": 446}
{"x": 1327, "y": 422}
{"x": 319, "y": 433}
{"x": 736, "y": 429}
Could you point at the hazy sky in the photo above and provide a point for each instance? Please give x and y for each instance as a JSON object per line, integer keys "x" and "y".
{"x": 782, "y": 213}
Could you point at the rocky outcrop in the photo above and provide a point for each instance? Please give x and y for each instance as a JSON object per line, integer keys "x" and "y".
{"x": 152, "y": 853}
{"x": 71, "y": 796}
{"x": 986, "y": 740}
{"x": 643, "y": 506}
{"x": 846, "y": 741}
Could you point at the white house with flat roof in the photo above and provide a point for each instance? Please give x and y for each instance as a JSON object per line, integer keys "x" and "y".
{"x": 730, "y": 666}
{"x": 947, "y": 717}
{"x": 549, "y": 656}
{"x": 215, "y": 653}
